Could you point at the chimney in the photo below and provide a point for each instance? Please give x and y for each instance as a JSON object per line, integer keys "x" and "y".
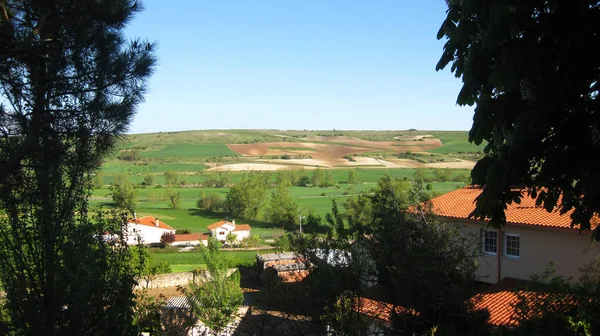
{"x": 157, "y": 222}
{"x": 233, "y": 222}
{"x": 134, "y": 215}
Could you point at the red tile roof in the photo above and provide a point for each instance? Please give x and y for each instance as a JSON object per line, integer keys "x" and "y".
{"x": 150, "y": 221}
{"x": 242, "y": 227}
{"x": 461, "y": 202}
{"x": 239, "y": 227}
{"x": 293, "y": 276}
{"x": 216, "y": 225}
{"x": 499, "y": 300}
{"x": 190, "y": 237}
{"x": 379, "y": 309}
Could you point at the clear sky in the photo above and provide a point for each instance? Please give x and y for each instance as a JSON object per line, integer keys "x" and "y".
{"x": 297, "y": 64}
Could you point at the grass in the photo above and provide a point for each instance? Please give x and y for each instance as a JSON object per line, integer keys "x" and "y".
{"x": 190, "y": 151}
{"x": 187, "y": 261}
{"x": 453, "y": 142}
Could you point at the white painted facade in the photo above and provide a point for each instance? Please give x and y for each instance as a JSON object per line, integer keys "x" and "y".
{"x": 147, "y": 234}
{"x": 220, "y": 233}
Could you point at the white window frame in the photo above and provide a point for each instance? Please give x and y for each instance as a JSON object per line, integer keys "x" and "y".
{"x": 505, "y": 243}
{"x": 483, "y": 234}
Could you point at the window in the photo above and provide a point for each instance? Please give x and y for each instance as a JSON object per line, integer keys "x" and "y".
{"x": 221, "y": 233}
{"x": 490, "y": 242}
{"x": 512, "y": 245}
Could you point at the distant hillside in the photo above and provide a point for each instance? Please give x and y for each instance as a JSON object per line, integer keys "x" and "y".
{"x": 194, "y": 151}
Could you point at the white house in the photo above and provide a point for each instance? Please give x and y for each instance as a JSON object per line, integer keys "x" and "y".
{"x": 148, "y": 229}
{"x": 190, "y": 239}
{"x": 221, "y": 229}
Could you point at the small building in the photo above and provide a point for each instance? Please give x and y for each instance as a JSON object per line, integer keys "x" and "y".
{"x": 221, "y": 229}
{"x": 146, "y": 229}
{"x": 190, "y": 239}
{"x": 288, "y": 266}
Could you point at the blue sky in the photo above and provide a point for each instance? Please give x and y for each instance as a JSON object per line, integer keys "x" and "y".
{"x": 297, "y": 64}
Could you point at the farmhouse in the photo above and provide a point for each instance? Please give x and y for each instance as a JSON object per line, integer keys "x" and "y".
{"x": 221, "y": 229}
{"x": 147, "y": 229}
{"x": 531, "y": 238}
{"x": 190, "y": 239}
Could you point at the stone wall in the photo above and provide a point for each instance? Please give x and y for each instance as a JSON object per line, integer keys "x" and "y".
{"x": 172, "y": 279}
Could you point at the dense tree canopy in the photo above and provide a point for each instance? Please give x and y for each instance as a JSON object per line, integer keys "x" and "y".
{"x": 70, "y": 84}
{"x": 532, "y": 71}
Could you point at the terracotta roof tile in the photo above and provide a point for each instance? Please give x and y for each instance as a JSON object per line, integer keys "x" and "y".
{"x": 242, "y": 227}
{"x": 293, "y": 276}
{"x": 216, "y": 225}
{"x": 499, "y": 300}
{"x": 379, "y": 309}
{"x": 190, "y": 237}
{"x": 150, "y": 221}
{"x": 461, "y": 202}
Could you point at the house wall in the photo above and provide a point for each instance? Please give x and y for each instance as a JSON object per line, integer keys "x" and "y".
{"x": 567, "y": 249}
{"x": 190, "y": 243}
{"x": 241, "y": 234}
{"x": 148, "y": 234}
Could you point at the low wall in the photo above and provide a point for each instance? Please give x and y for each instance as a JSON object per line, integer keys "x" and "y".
{"x": 172, "y": 279}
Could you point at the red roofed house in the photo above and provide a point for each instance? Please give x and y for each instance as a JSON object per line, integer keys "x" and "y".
{"x": 531, "y": 238}
{"x": 190, "y": 239}
{"x": 221, "y": 229}
{"x": 148, "y": 229}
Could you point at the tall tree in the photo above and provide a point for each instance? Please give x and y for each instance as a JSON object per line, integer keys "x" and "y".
{"x": 534, "y": 81}
{"x": 216, "y": 299}
{"x": 171, "y": 179}
{"x": 247, "y": 197}
{"x": 70, "y": 86}
{"x": 282, "y": 209}
{"x": 123, "y": 193}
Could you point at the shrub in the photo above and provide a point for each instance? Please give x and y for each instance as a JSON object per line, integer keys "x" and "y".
{"x": 211, "y": 202}
{"x": 167, "y": 238}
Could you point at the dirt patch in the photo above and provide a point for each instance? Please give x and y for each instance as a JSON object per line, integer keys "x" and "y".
{"x": 254, "y": 166}
{"x": 165, "y": 291}
{"x": 459, "y": 164}
{"x": 412, "y": 137}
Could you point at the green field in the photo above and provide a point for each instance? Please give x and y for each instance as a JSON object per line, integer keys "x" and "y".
{"x": 190, "y": 151}
{"x": 188, "y": 261}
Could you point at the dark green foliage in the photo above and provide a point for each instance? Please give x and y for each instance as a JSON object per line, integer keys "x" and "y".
{"x": 353, "y": 176}
{"x": 130, "y": 155}
{"x": 173, "y": 198}
{"x": 211, "y": 202}
{"x": 216, "y": 299}
{"x": 70, "y": 84}
{"x": 282, "y": 210}
{"x": 556, "y": 305}
{"x": 313, "y": 223}
{"x": 123, "y": 193}
{"x": 442, "y": 174}
{"x": 148, "y": 180}
{"x": 98, "y": 180}
{"x": 171, "y": 179}
{"x": 304, "y": 181}
{"x": 217, "y": 180}
{"x": 534, "y": 81}
{"x": 415, "y": 261}
{"x": 247, "y": 197}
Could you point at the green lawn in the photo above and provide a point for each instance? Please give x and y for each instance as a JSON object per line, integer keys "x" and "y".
{"x": 190, "y": 151}
{"x": 187, "y": 261}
